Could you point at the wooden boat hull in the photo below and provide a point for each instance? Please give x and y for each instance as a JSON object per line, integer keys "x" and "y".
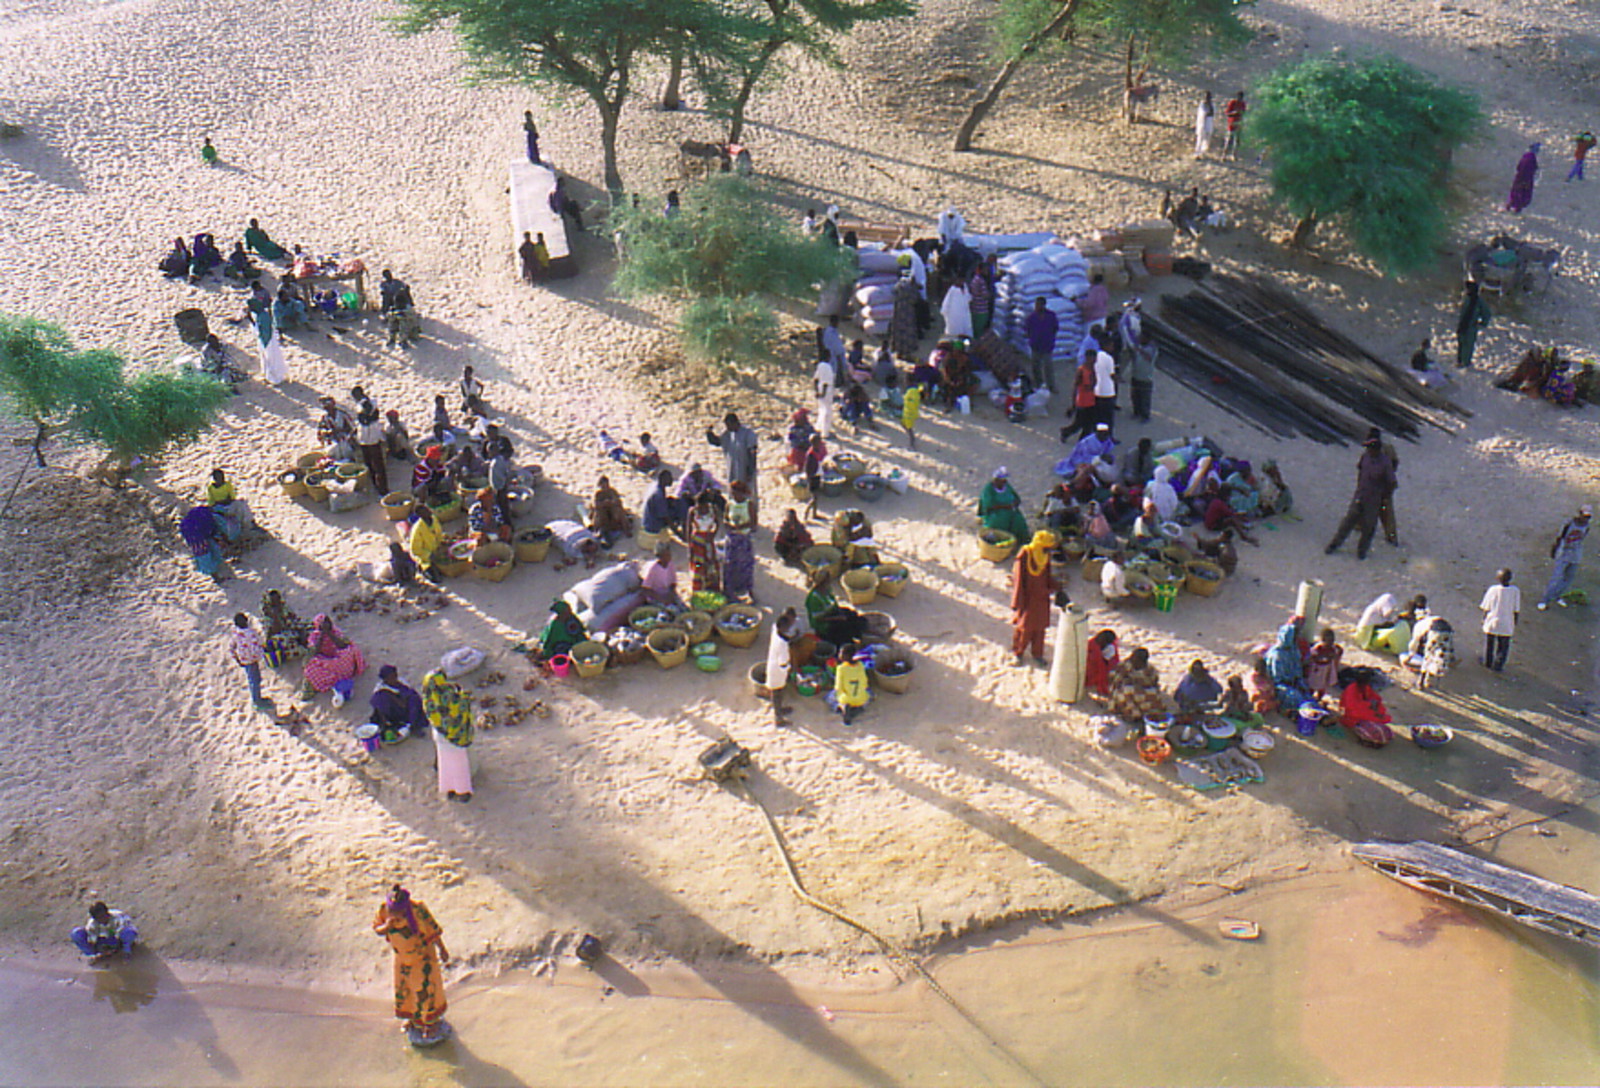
{"x": 1522, "y": 897}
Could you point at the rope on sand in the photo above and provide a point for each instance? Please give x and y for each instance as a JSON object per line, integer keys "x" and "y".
{"x": 890, "y": 949}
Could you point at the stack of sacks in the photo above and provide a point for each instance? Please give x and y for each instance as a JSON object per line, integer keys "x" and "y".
{"x": 874, "y": 296}
{"x": 1058, "y": 274}
{"x": 604, "y": 599}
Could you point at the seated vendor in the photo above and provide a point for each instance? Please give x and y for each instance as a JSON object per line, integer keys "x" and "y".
{"x": 1362, "y": 711}
{"x": 484, "y": 520}
{"x": 232, "y": 512}
{"x": 334, "y": 662}
{"x": 1198, "y": 692}
{"x": 396, "y": 707}
{"x": 829, "y": 619}
{"x": 1114, "y": 579}
{"x": 426, "y": 542}
{"x": 1000, "y": 507}
{"x": 561, "y": 632}
{"x": 257, "y": 241}
{"x": 288, "y": 310}
{"x": 608, "y": 518}
{"x": 429, "y": 478}
{"x": 396, "y": 438}
{"x": 1136, "y": 688}
{"x": 852, "y": 535}
{"x": 792, "y": 539}
{"x": 660, "y": 512}
{"x": 175, "y": 265}
{"x": 239, "y": 267}
{"x": 660, "y": 579}
{"x": 284, "y": 632}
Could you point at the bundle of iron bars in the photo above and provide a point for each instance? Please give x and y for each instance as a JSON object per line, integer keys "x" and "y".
{"x": 1257, "y": 351}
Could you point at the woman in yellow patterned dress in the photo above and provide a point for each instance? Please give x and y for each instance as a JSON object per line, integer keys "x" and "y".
{"x": 419, "y": 954}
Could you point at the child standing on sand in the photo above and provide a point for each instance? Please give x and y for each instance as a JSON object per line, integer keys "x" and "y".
{"x": 1322, "y": 664}
{"x": 910, "y": 412}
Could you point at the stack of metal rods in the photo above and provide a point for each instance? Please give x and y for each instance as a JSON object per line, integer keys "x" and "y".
{"x": 1256, "y": 351}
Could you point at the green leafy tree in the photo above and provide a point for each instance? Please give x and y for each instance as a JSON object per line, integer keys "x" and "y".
{"x": 730, "y": 76}
{"x": 726, "y": 255}
{"x": 1368, "y": 143}
{"x": 1025, "y": 30}
{"x": 590, "y": 47}
{"x": 84, "y": 394}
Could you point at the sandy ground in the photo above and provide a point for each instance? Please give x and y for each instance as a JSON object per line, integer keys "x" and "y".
{"x": 132, "y": 766}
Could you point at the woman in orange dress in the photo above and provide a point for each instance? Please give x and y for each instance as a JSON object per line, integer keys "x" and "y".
{"x": 419, "y": 954}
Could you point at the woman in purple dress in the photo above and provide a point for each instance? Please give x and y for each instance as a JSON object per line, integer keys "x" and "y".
{"x": 1522, "y": 185}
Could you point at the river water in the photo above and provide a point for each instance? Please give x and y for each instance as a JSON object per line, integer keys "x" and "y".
{"x": 1355, "y": 980}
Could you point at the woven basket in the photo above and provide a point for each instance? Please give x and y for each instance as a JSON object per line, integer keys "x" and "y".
{"x": 457, "y": 559}
{"x": 699, "y": 625}
{"x": 669, "y": 646}
{"x": 310, "y": 460}
{"x": 349, "y": 470}
{"x": 1141, "y": 587}
{"x": 892, "y": 578}
{"x": 822, "y": 557}
{"x": 861, "y": 586}
{"x": 533, "y": 545}
{"x": 449, "y": 510}
{"x": 316, "y": 486}
{"x": 849, "y": 466}
{"x": 880, "y": 626}
{"x": 396, "y": 505}
{"x": 1204, "y": 578}
{"x": 996, "y": 545}
{"x": 634, "y": 654}
{"x": 503, "y": 556}
{"x": 738, "y": 636}
{"x": 899, "y": 684}
{"x": 590, "y": 658}
{"x": 293, "y": 483}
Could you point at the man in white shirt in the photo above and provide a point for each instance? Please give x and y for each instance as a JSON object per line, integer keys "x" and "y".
{"x": 1105, "y": 388}
{"x": 830, "y": 340}
{"x": 1501, "y": 604}
{"x": 822, "y": 382}
{"x": 369, "y": 438}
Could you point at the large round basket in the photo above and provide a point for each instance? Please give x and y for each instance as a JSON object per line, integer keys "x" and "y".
{"x": 996, "y": 545}
{"x": 1163, "y": 575}
{"x": 739, "y": 624}
{"x": 1140, "y": 586}
{"x": 1091, "y": 567}
{"x": 627, "y": 646}
{"x": 757, "y": 675}
{"x": 833, "y": 483}
{"x": 822, "y": 557}
{"x": 471, "y": 485}
{"x": 647, "y": 617}
{"x": 892, "y": 578}
{"x": 869, "y": 487}
{"x": 891, "y": 670}
{"x": 669, "y": 646}
{"x": 316, "y": 486}
{"x": 456, "y": 560}
{"x": 493, "y": 561}
{"x": 1204, "y": 578}
{"x": 309, "y": 460}
{"x": 346, "y": 471}
{"x": 1176, "y": 555}
{"x": 880, "y": 625}
{"x": 396, "y": 505}
{"x": 293, "y": 482}
{"x": 849, "y": 466}
{"x": 533, "y": 545}
{"x": 1075, "y": 547}
{"x": 447, "y": 509}
{"x": 698, "y": 624}
{"x": 860, "y": 585}
{"x": 590, "y": 658}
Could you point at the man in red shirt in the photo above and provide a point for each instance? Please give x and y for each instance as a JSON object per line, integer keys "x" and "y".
{"x": 1233, "y": 114}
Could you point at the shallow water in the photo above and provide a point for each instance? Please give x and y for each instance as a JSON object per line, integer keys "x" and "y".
{"x": 1355, "y": 980}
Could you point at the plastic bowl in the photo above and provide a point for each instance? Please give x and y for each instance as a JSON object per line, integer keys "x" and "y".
{"x": 1432, "y": 736}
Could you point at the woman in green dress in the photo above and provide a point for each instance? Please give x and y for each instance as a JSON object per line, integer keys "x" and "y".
{"x": 1000, "y": 507}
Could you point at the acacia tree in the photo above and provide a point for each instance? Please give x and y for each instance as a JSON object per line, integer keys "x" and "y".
{"x": 1025, "y": 30}
{"x": 731, "y": 76}
{"x": 58, "y": 389}
{"x": 590, "y": 47}
{"x": 1368, "y": 143}
{"x": 725, "y": 255}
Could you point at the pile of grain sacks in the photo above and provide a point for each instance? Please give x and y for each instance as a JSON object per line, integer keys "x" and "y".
{"x": 1055, "y": 272}
{"x": 874, "y": 291}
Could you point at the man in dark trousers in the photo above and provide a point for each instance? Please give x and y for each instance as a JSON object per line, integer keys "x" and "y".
{"x": 1375, "y": 482}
